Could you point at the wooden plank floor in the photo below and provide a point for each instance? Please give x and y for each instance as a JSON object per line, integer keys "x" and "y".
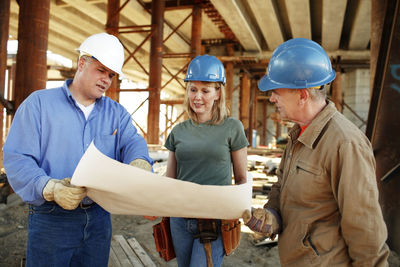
{"x": 127, "y": 253}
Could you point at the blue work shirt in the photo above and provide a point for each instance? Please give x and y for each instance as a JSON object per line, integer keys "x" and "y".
{"x": 49, "y": 135}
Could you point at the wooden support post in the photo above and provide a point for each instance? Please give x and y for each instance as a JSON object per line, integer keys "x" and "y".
{"x": 33, "y": 31}
{"x": 156, "y": 51}
{"x": 244, "y": 101}
{"x": 112, "y": 28}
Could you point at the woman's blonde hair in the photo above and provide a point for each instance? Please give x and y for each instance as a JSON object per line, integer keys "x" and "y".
{"x": 219, "y": 110}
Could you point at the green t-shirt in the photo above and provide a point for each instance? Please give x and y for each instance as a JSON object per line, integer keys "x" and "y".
{"x": 203, "y": 151}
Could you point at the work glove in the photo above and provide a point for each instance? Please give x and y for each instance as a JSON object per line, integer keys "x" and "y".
{"x": 65, "y": 194}
{"x": 142, "y": 164}
{"x": 263, "y": 220}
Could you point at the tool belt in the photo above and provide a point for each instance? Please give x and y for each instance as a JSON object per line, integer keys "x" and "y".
{"x": 230, "y": 231}
{"x": 163, "y": 239}
{"x": 208, "y": 230}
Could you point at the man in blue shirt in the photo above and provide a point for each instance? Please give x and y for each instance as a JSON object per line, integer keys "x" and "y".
{"x": 50, "y": 132}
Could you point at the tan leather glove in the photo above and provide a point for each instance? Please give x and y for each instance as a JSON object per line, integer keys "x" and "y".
{"x": 266, "y": 221}
{"x": 48, "y": 190}
{"x": 64, "y": 193}
{"x": 142, "y": 164}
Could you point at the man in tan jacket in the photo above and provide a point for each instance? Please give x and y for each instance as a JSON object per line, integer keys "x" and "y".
{"x": 325, "y": 204}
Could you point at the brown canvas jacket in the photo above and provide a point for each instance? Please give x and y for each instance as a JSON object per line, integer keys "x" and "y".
{"x": 328, "y": 198}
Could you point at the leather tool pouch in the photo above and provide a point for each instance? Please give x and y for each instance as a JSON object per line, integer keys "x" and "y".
{"x": 163, "y": 239}
{"x": 208, "y": 230}
{"x": 230, "y": 230}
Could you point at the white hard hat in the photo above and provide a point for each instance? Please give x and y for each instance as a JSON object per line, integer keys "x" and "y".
{"x": 107, "y": 49}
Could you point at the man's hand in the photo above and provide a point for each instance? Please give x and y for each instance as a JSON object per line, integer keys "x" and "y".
{"x": 64, "y": 193}
{"x": 142, "y": 164}
{"x": 151, "y": 218}
{"x": 48, "y": 190}
{"x": 265, "y": 221}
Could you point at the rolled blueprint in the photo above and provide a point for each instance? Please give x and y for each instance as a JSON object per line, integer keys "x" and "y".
{"x": 123, "y": 189}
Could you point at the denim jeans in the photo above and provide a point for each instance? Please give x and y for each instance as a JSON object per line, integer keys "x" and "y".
{"x": 188, "y": 249}
{"x": 58, "y": 237}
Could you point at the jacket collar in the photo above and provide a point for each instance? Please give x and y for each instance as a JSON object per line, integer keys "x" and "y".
{"x": 313, "y": 131}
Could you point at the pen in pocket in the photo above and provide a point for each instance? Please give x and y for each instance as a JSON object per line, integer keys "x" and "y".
{"x": 115, "y": 131}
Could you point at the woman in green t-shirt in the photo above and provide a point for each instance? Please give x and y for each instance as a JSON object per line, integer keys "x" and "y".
{"x": 203, "y": 150}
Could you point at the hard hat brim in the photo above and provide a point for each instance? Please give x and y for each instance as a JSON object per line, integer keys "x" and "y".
{"x": 266, "y": 84}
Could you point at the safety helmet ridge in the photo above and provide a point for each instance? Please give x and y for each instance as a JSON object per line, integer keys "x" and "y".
{"x": 297, "y": 63}
{"x": 205, "y": 68}
{"x": 107, "y": 49}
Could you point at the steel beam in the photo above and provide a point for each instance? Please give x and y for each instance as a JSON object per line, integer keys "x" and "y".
{"x": 229, "y": 69}
{"x": 378, "y": 8}
{"x": 196, "y": 31}
{"x": 33, "y": 29}
{"x": 156, "y": 51}
{"x": 384, "y": 122}
{"x": 264, "y": 122}
{"x": 252, "y": 109}
{"x": 113, "y": 8}
{"x": 244, "y": 100}
{"x": 337, "y": 97}
{"x": 4, "y": 22}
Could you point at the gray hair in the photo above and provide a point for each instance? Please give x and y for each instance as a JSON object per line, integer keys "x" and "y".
{"x": 317, "y": 94}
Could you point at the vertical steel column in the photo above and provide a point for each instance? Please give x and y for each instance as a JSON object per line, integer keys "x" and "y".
{"x": 196, "y": 30}
{"x": 156, "y": 51}
{"x": 112, "y": 28}
{"x": 337, "y": 97}
{"x": 4, "y": 24}
{"x": 264, "y": 123}
{"x": 384, "y": 123}
{"x": 252, "y": 110}
{"x": 244, "y": 101}
{"x": 33, "y": 29}
{"x": 229, "y": 78}
{"x": 378, "y": 8}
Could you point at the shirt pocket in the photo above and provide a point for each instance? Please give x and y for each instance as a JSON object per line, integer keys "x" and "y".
{"x": 307, "y": 182}
{"x": 106, "y": 144}
{"x": 308, "y": 169}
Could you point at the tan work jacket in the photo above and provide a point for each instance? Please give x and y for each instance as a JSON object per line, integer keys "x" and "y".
{"x": 328, "y": 198}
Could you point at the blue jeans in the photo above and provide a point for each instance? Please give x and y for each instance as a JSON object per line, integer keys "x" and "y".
{"x": 58, "y": 237}
{"x": 188, "y": 249}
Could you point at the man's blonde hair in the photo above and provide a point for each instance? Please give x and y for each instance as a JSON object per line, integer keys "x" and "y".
{"x": 219, "y": 110}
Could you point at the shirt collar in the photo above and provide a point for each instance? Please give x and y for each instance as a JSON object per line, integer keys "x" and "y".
{"x": 67, "y": 92}
{"x": 313, "y": 131}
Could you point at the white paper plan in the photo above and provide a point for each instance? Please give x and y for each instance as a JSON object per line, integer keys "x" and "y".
{"x": 123, "y": 189}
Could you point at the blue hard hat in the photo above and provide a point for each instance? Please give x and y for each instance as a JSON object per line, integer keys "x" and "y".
{"x": 296, "y": 64}
{"x": 205, "y": 68}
